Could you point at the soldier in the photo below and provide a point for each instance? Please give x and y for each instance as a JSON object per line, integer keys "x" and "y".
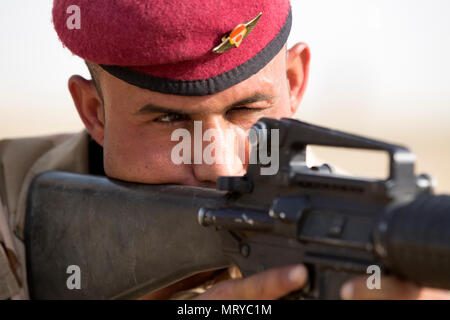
{"x": 159, "y": 65}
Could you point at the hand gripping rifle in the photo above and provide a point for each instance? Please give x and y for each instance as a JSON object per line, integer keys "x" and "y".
{"x": 129, "y": 239}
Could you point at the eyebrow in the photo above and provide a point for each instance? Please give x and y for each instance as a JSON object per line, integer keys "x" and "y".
{"x": 153, "y": 108}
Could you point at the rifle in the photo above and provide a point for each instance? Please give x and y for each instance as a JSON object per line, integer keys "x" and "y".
{"x": 130, "y": 239}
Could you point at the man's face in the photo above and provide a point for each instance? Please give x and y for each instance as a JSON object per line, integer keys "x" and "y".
{"x": 138, "y": 124}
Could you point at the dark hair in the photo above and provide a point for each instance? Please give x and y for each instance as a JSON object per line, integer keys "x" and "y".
{"x": 94, "y": 70}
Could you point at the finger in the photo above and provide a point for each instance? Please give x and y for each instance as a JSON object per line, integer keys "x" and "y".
{"x": 434, "y": 294}
{"x": 391, "y": 289}
{"x": 267, "y": 285}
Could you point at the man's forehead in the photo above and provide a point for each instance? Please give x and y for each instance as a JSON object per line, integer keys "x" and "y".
{"x": 265, "y": 85}
{"x": 199, "y": 48}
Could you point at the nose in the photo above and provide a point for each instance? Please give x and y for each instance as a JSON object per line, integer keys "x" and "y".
{"x": 223, "y": 150}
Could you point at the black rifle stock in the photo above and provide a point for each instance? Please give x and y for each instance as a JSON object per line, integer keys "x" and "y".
{"x": 129, "y": 239}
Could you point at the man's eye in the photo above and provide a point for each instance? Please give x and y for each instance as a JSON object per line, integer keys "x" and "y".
{"x": 171, "y": 117}
{"x": 244, "y": 109}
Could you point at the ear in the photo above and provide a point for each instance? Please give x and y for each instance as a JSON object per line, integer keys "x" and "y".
{"x": 297, "y": 69}
{"x": 89, "y": 106}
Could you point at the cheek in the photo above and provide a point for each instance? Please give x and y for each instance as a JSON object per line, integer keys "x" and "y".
{"x": 282, "y": 107}
{"x": 140, "y": 155}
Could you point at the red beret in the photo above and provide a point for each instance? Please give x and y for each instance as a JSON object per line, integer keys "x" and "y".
{"x": 167, "y": 45}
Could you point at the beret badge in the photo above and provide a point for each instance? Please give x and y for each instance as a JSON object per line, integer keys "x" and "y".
{"x": 235, "y": 38}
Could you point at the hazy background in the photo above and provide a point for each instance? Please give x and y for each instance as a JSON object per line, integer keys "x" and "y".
{"x": 379, "y": 68}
